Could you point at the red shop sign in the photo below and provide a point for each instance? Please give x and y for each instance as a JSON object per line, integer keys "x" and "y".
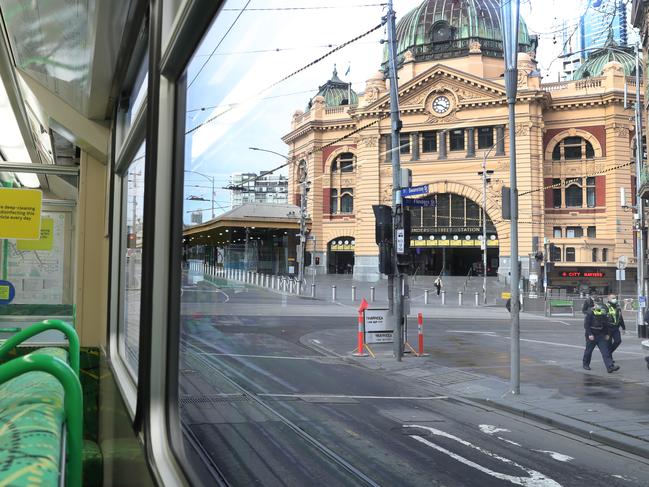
{"x": 582, "y": 274}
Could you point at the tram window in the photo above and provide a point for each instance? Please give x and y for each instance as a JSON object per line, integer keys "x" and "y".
{"x": 131, "y": 265}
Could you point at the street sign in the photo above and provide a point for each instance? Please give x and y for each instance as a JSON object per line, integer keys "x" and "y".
{"x": 378, "y": 326}
{"x": 401, "y": 241}
{"x": 642, "y": 301}
{"x": 620, "y": 275}
{"x": 422, "y": 202}
{"x": 621, "y": 262}
{"x": 415, "y": 190}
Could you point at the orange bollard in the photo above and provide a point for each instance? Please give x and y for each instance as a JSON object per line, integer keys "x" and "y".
{"x": 361, "y": 338}
{"x": 420, "y": 329}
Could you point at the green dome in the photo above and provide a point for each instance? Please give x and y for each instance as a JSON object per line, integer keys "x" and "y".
{"x": 441, "y": 29}
{"x": 336, "y": 92}
{"x": 594, "y": 65}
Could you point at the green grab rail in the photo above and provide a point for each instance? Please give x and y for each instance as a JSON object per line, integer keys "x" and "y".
{"x": 45, "y": 325}
{"x": 73, "y": 402}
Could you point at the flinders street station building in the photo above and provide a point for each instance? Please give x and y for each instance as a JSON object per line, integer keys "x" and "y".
{"x": 574, "y": 149}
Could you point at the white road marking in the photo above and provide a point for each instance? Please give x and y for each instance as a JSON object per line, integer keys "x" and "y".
{"x": 244, "y": 355}
{"x": 316, "y": 341}
{"x": 557, "y": 456}
{"x": 472, "y": 332}
{"x": 491, "y": 429}
{"x": 508, "y": 441}
{"x": 219, "y": 290}
{"x": 346, "y": 396}
{"x": 534, "y": 478}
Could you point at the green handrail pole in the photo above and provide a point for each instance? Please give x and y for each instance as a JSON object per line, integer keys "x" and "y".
{"x": 73, "y": 403}
{"x": 5, "y": 243}
{"x": 36, "y": 328}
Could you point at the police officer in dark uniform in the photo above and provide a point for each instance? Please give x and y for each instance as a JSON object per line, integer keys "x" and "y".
{"x": 617, "y": 322}
{"x": 589, "y": 303}
{"x": 596, "y": 326}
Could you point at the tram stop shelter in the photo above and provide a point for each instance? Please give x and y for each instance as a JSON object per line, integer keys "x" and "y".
{"x": 261, "y": 237}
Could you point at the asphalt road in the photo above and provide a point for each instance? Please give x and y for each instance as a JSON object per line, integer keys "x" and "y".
{"x": 270, "y": 411}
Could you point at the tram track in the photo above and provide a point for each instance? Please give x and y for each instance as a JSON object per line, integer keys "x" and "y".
{"x": 321, "y": 447}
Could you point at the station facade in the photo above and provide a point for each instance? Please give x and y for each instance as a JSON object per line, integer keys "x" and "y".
{"x": 574, "y": 142}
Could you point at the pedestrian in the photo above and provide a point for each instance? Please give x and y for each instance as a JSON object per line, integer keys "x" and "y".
{"x": 438, "y": 284}
{"x": 588, "y": 304}
{"x": 508, "y": 305}
{"x": 596, "y": 327}
{"x": 617, "y": 322}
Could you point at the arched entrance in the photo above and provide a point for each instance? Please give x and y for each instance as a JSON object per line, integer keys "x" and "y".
{"x": 340, "y": 255}
{"x": 447, "y": 238}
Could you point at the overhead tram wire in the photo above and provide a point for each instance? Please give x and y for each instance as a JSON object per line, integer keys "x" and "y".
{"x": 297, "y": 71}
{"x": 219, "y": 44}
{"x": 321, "y": 7}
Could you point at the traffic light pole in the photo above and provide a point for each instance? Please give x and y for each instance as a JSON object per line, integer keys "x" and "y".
{"x": 395, "y": 125}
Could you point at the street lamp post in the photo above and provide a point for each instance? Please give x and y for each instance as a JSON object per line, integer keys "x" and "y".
{"x": 510, "y": 15}
{"x": 211, "y": 180}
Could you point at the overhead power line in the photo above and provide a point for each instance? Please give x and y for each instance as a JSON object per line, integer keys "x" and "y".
{"x": 297, "y": 71}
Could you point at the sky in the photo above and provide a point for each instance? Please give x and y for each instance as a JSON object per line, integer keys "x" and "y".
{"x": 246, "y": 52}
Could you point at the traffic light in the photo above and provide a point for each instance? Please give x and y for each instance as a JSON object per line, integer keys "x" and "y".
{"x": 385, "y": 258}
{"x": 383, "y": 223}
{"x": 307, "y": 259}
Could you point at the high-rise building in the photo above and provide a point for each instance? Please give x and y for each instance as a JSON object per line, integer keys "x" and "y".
{"x": 602, "y": 21}
{"x": 254, "y": 188}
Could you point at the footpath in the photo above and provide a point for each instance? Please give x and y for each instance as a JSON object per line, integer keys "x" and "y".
{"x": 610, "y": 409}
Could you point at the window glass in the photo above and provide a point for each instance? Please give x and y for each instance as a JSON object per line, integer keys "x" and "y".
{"x": 404, "y": 143}
{"x": 485, "y": 137}
{"x": 604, "y": 255}
{"x": 557, "y": 232}
{"x": 334, "y": 201}
{"x": 556, "y": 193}
{"x": 456, "y": 139}
{"x": 574, "y": 196}
{"x": 429, "y": 141}
{"x": 595, "y": 253}
{"x": 590, "y": 152}
{"x": 346, "y": 162}
{"x": 591, "y": 232}
{"x": 574, "y": 232}
{"x": 570, "y": 254}
{"x": 556, "y": 254}
{"x": 131, "y": 276}
{"x": 556, "y": 153}
{"x": 347, "y": 203}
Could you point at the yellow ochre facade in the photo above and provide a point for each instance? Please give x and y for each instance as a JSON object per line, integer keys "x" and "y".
{"x": 574, "y": 149}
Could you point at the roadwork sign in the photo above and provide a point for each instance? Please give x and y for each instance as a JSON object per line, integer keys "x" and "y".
{"x": 378, "y": 326}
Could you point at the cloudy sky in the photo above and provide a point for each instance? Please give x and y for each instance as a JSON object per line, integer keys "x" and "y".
{"x": 244, "y": 53}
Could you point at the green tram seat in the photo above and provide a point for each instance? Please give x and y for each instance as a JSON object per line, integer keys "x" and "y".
{"x": 41, "y": 410}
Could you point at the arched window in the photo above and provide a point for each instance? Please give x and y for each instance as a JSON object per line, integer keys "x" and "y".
{"x": 573, "y": 149}
{"x": 347, "y": 201}
{"x": 345, "y": 162}
{"x": 574, "y": 196}
{"x": 442, "y": 31}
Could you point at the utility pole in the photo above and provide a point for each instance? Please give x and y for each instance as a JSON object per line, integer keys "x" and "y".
{"x": 300, "y": 255}
{"x": 509, "y": 14}
{"x": 640, "y": 327}
{"x": 395, "y": 126}
{"x": 485, "y": 179}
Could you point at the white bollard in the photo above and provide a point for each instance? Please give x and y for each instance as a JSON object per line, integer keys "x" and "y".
{"x": 426, "y": 293}
{"x": 460, "y": 298}
{"x": 372, "y": 294}
{"x": 333, "y": 293}
{"x": 443, "y": 297}
{"x": 477, "y": 298}
{"x": 313, "y": 291}
{"x": 353, "y": 293}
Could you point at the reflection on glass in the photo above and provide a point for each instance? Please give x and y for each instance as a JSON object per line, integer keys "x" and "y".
{"x": 133, "y": 197}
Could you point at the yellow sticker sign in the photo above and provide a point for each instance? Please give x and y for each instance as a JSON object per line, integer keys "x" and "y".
{"x": 505, "y": 295}
{"x": 20, "y": 213}
{"x": 46, "y": 242}
{"x": 4, "y": 293}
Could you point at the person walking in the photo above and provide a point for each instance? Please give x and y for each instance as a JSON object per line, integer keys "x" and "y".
{"x": 438, "y": 285}
{"x": 616, "y": 322}
{"x": 596, "y": 327}
{"x": 589, "y": 303}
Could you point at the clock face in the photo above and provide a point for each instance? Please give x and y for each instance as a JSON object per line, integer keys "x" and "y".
{"x": 441, "y": 104}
